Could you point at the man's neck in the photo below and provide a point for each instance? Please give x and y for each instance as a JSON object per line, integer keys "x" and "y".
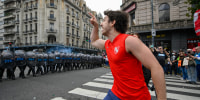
{"x": 112, "y": 35}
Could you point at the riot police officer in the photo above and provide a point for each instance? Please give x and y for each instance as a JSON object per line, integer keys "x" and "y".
{"x": 31, "y": 62}
{"x": 1, "y": 69}
{"x": 8, "y": 63}
{"x": 20, "y": 61}
{"x": 58, "y": 61}
{"x": 40, "y": 62}
{"x": 51, "y": 62}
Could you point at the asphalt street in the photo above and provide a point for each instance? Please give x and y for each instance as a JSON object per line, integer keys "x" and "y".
{"x": 86, "y": 84}
{"x": 49, "y": 86}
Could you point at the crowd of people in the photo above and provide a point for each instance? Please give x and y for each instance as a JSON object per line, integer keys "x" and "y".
{"x": 182, "y": 63}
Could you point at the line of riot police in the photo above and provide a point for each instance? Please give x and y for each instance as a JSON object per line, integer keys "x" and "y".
{"x": 40, "y": 62}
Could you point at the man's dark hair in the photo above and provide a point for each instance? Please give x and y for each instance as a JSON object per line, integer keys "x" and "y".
{"x": 121, "y": 19}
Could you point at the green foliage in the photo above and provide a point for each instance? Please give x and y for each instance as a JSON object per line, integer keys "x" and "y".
{"x": 195, "y": 5}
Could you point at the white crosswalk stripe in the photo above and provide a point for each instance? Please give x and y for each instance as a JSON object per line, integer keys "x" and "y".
{"x": 176, "y": 88}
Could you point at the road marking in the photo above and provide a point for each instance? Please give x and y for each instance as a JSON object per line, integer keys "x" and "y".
{"x": 181, "y": 84}
{"x": 104, "y": 80}
{"x": 58, "y": 98}
{"x": 99, "y": 85}
{"x": 88, "y": 93}
{"x": 105, "y": 76}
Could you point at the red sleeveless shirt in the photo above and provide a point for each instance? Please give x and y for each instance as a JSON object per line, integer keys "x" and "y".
{"x": 127, "y": 71}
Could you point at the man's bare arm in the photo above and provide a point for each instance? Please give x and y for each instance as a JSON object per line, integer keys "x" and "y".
{"x": 145, "y": 56}
{"x": 95, "y": 41}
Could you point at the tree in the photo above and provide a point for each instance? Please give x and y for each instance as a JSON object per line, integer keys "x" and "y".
{"x": 195, "y": 5}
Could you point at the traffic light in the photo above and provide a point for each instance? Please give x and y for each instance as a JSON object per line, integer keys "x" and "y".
{"x": 10, "y": 43}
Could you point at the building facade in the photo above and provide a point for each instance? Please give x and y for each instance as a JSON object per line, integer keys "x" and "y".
{"x": 32, "y": 22}
{"x": 174, "y": 30}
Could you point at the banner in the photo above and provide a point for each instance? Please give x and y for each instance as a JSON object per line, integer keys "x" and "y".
{"x": 197, "y": 22}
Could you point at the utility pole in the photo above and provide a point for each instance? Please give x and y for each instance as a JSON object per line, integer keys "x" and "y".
{"x": 153, "y": 32}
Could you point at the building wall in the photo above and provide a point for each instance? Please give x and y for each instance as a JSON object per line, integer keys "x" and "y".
{"x": 143, "y": 11}
{"x": 71, "y": 14}
{"x": 175, "y": 32}
{"x": 1, "y": 25}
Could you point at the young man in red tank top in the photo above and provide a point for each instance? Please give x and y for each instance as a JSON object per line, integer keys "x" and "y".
{"x": 126, "y": 55}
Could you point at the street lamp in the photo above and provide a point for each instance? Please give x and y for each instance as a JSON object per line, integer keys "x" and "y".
{"x": 153, "y": 31}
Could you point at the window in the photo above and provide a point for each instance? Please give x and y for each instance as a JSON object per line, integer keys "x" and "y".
{"x": 77, "y": 43}
{"x": 76, "y": 14}
{"x": 35, "y": 14}
{"x": 67, "y": 41}
{"x": 77, "y": 23}
{"x": 67, "y": 8}
{"x": 30, "y": 40}
{"x": 17, "y": 17}
{"x": 26, "y": 40}
{"x": 77, "y": 33}
{"x": 36, "y": 27}
{"x": 72, "y": 42}
{"x": 51, "y": 26}
{"x": 35, "y": 39}
{"x": 68, "y": 30}
{"x": 67, "y": 18}
{"x": 72, "y": 21}
{"x": 30, "y": 27}
{"x": 31, "y": 15}
{"x": 26, "y": 16}
{"x": 26, "y": 28}
{"x": 17, "y": 29}
{"x": 51, "y": 2}
{"x": 72, "y": 31}
{"x": 164, "y": 12}
{"x": 51, "y": 14}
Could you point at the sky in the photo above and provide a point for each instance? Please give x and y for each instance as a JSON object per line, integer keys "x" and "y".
{"x": 101, "y": 5}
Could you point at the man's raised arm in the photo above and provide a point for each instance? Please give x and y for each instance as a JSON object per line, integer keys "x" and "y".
{"x": 95, "y": 41}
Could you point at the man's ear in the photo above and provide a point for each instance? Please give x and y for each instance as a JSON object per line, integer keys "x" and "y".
{"x": 113, "y": 22}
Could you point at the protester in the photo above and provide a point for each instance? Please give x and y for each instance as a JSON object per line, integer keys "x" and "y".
{"x": 162, "y": 56}
{"x": 125, "y": 54}
{"x": 197, "y": 60}
{"x": 192, "y": 74}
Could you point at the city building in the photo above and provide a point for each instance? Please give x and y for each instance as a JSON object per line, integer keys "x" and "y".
{"x": 174, "y": 30}
{"x": 33, "y": 22}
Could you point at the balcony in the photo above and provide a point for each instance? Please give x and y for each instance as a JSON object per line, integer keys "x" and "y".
{"x": 9, "y": 15}
{"x": 25, "y": 9}
{"x": 6, "y": 41}
{"x": 8, "y": 1}
{"x": 68, "y": 12}
{"x": 35, "y": 18}
{"x": 51, "y": 31}
{"x": 30, "y": 7}
{"x": 68, "y": 34}
{"x": 68, "y": 22}
{"x": 77, "y": 26}
{"x": 73, "y": 25}
{"x": 17, "y": 21}
{"x": 9, "y": 33}
{"x": 25, "y": 20}
{"x": 171, "y": 25}
{"x": 78, "y": 36}
{"x": 35, "y": 6}
{"x": 73, "y": 35}
{"x": 51, "y": 5}
{"x": 31, "y": 31}
{"x": 9, "y": 24}
{"x": 52, "y": 18}
{"x": 7, "y": 8}
{"x": 30, "y": 19}
{"x": 73, "y": 15}
{"x": 17, "y": 9}
{"x": 25, "y": 32}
